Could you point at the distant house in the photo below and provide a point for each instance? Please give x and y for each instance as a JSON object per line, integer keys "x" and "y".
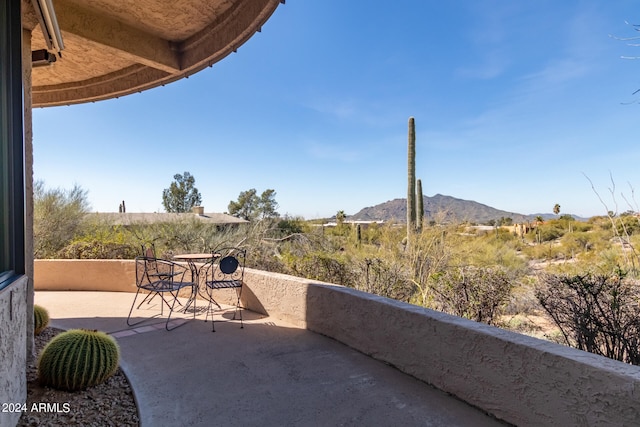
{"x": 353, "y": 222}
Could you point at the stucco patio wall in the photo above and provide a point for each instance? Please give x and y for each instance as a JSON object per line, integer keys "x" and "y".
{"x": 86, "y": 274}
{"x": 520, "y": 379}
{"x": 13, "y": 350}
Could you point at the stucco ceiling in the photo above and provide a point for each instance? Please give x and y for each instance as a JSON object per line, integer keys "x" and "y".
{"x": 117, "y": 47}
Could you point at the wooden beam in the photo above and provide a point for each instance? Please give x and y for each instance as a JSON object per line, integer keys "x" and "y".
{"x": 133, "y": 43}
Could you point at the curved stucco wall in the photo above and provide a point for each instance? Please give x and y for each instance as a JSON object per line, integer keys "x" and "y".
{"x": 520, "y": 379}
{"x": 84, "y": 275}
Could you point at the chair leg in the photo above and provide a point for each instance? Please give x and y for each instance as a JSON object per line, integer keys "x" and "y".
{"x": 166, "y": 325}
{"x": 213, "y": 326}
{"x": 238, "y": 308}
{"x": 131, "y": 311}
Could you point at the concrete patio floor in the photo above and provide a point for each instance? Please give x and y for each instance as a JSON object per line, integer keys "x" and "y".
{"x": 267, "y": 374}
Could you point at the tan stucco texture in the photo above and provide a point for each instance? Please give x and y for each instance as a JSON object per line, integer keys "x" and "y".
{"x": 117, "y": 47}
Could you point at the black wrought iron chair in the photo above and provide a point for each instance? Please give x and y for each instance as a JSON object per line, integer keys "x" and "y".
{"x": 149, "y": 252}
{"x": 226, "y": 271}
{"x": 159, "y": 277}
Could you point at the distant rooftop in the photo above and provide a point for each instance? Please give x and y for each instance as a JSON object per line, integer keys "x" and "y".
{"x": 152, "y": 218}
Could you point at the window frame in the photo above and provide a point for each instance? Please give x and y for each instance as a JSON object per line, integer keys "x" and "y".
{"x": 12, "y": 156}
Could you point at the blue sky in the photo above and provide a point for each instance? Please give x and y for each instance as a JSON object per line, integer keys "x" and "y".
{"x": 516, "y": 103}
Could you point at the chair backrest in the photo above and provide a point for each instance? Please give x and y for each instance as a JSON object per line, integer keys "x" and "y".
{"x": 146, "y": 269}
{"x": 156, "y": 270}
{"x": 149, "y": 253}
{"x": 149, "y": 250}
{"x": 227, "y": 265}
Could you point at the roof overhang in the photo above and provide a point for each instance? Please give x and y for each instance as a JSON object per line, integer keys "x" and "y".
{"x": 117, "y": 47}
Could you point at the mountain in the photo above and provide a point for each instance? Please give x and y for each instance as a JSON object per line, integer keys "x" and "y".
{"x": 444, "y": 208}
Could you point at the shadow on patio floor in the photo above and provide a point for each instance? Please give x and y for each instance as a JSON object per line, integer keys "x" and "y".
{"x": 267, "y": 374}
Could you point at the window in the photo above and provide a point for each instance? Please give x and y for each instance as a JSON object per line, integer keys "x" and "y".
{"x": 12, "y": 192}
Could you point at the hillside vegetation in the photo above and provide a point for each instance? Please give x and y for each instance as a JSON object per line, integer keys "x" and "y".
{"x": 573, "y": 282}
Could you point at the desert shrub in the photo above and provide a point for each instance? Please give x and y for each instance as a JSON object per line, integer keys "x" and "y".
{"x": 383, "y": 277}
{"x": 58, "y": 216}
{"x": 327, "y": 267}
{"x": 427, "y": 256}
{"x": 550, "y": 232}
{"x": 522, "y": 298}
{"x": 577, "y": 242}
{"x": 596, "y": 313}
{"x": 546, "y": 251}
{"x": 291, "y": 225}
{"x": 475, "y": 293}
{"x": 579, "y": 226}
{"x": 98, "y": 250}
{"x": 627, "y": 225}
{"x": 490, "y": 250}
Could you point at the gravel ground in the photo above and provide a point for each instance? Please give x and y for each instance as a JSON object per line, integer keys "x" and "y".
{"x": 108, "y": 404}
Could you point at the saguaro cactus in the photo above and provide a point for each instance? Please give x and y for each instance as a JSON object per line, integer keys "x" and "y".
{"x": 40, "y": 319}
{"x": 419, "y": 205}
{"x": 77, "y": 359}
{"x": 411, "y": 178}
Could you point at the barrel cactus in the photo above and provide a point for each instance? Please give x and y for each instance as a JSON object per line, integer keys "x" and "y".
{"x": 77, "y": 359}
{"x": 40, "y": 319}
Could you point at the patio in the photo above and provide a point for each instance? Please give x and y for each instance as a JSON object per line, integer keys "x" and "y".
{"x": 294, "y": 329}
{"x": 269, "y": 373}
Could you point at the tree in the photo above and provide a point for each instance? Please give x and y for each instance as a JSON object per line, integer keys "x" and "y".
{"x": 268, "y": 204}
{"x": 251, "y": 207}
{"x": 556, "y": 209}
{"x": 246, "y": 206}
{"x": 340, "y": 217}
{"x": 57, "y": 217}
{"x": 181, "y": 195}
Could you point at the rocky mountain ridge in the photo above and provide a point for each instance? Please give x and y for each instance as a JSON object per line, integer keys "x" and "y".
{"x": 442, "y": 209}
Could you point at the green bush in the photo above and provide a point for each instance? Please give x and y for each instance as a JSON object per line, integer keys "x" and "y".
{"x": 326, "y": 267}
{"x": 58, "y": 216}
{"x": 77, "y": 359}
{"x": 95, "y": 249}
{"x": 291, "y": 225}
{"x": 550, "y": 232}
{"x": 627, "y": 225}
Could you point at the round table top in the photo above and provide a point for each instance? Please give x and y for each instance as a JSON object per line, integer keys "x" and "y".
{"x": 194, "y": 256}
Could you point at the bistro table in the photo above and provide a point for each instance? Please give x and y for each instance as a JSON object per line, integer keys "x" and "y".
{"x": 192, "y": 261}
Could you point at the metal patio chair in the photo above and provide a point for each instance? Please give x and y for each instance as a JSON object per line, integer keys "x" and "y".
{"x": 162, "y": 278}
{"x": 225, "y": 271}
{"x": 149, "y": 252}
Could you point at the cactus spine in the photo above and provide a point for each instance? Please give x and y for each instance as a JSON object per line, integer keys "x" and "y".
{"x": 419, "y": 205}
{"x": 40, "y": 319}
{"x": 77, "y": 359}
{"x": 411, "y": 178}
